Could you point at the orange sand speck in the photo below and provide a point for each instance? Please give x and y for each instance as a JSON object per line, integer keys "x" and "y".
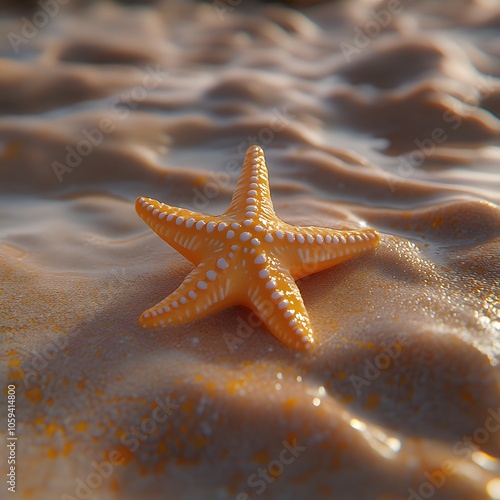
{"x": 50, "y": 429}
{"x": 14, "y": 362}
{"x": 372, "y": 401}
{"x": 234, "y": 386}
{"x": 81, "y": 426}
{"x": 34, "y": 394}
{"x": 114, "y": 485}
{"x": 68, "y": 446}
{"x": 290, "y": 403}
{"x": 467, "y": 396}
{"x": 11, "y": 150}
{"x": 211, "y": 388}
{"x": 125, "y": 453}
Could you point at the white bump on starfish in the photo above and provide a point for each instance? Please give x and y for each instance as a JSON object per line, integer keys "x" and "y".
{"x": 260, "y": 259}
{"x": 222, "y": 263}
{"x": 263, "y": 273}
{"x": 211, "y": 275}
{"x": 271, "y": 284}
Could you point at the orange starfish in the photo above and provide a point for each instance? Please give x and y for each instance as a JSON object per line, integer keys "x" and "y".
{"x": 247, "y": 256}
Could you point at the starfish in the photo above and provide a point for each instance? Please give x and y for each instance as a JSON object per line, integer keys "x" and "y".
{"x": 247, "y": 256}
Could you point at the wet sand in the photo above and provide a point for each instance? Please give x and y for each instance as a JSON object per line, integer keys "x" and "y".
{"x": 371, "y": 114}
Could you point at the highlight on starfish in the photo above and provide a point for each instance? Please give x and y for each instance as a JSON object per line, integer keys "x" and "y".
{"x": 247, "y": 256}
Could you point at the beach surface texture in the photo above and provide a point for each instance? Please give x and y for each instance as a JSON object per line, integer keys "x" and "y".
{"x": 380, "y": 115}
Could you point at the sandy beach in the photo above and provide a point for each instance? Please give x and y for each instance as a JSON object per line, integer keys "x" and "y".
{"x": 371, "y": 114}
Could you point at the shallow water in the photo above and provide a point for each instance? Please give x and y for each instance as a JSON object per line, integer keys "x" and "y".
{"x": 371, "y": 114}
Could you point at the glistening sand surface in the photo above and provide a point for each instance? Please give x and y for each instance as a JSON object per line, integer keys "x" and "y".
{"x": 396, "y": 129}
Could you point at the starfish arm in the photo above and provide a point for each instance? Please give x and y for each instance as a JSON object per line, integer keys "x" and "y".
{"x": 308, "y": 250}
{"x": 277, "y": 301}
{"x": 205, "y": 290}
{"x": 194, "y": 235}
{"x": 252, "y": 195}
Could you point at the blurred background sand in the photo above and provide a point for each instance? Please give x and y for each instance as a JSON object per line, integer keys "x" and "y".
{"x": 380, "y": 114}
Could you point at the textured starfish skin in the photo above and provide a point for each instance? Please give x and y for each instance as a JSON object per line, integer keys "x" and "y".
{"x": 247, "y": 256}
